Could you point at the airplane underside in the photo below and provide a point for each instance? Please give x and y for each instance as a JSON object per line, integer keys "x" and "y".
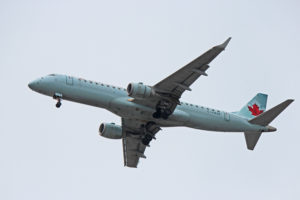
{"x": 145, "y": 109}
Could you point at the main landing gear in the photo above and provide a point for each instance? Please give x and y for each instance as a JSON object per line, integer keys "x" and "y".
{"x": 57, "y": 97}
{"x": 163, "y": 109}
{"x": 150, "y": 129}
{"x": 147, "y": 139}
{"x": 161, "y": 114}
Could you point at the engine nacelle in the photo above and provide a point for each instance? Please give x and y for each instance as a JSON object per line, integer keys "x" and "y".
{"x": 139, "y": 90}
{"x": 110, "y": 130}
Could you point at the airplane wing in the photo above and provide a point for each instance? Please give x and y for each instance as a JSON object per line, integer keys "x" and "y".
{"x": 136, "y": 137}
{"x": 181, "y": 80}
{"x": 171, "y": 88}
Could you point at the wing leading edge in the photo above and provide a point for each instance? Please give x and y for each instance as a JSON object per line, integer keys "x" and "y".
{"x": 170, "y": 89}
{"x": 182, "y": 79}
{"x": 138, "y": 134}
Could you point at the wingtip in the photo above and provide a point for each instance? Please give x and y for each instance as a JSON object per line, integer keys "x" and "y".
{"x": 290, "y": 101}
{"x": 223, "y": 46}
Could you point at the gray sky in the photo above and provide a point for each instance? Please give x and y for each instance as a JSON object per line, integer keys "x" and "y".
{"x": 46, "y": 153}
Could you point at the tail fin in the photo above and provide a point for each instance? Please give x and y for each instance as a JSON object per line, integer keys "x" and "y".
{"x": 255, "y": 107}
{"x": 264, "y": 119}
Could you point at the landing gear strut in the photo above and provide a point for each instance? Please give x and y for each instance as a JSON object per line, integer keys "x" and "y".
{"x": 58, "y": 98}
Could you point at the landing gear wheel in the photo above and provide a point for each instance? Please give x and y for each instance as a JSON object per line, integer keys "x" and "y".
{"x": 58, "y": 104}
{"x": 156, "y": 115}
{"x": 57, "y": 97}
{"x": 164, "y": 115}
{"x": 147, "y": 139}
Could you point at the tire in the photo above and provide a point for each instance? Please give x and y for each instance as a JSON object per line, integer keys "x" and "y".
{"x": 58, "y": 104}
{"x": 147, "y": 139}
{"x": 156, "y": 115}
{"x": 164, "y": 115}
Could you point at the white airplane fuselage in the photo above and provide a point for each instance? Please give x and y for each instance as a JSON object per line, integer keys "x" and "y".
{"x": 117, "y": 101}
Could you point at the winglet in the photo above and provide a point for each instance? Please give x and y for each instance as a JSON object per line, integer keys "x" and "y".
{"x": 223, "y": 46}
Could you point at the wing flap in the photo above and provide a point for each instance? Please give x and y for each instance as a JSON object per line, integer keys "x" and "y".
{"x": 133, "y": 134}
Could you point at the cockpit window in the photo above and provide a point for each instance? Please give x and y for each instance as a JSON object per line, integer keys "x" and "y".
{"x": 51, "y": 75}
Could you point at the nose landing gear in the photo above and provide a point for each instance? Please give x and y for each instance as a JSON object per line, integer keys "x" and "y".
{"x": 58, "y": 104}
{"x": 57, "y": 97}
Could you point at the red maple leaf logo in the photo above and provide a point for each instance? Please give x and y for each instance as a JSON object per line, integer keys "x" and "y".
{"x": 255, "y": 110}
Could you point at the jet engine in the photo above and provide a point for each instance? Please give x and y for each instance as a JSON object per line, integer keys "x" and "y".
{"x": 139, "y": 90}
{"x": 110, "y": 130}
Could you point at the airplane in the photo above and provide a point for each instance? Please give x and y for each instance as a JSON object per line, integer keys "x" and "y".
{"x": 145, "y": 109}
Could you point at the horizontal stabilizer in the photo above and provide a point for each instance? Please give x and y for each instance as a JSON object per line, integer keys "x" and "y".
{"x": 251, "y": 139}
{"x": 268, "y": 116}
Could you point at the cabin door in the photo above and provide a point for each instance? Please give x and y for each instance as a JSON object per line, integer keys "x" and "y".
{"x": 226, "y": 116}
{"x": 69, "y": 80}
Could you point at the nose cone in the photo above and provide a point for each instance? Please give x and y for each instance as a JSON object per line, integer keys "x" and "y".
{"x": 30, "y": 85}
{"x": 33, "y": 85}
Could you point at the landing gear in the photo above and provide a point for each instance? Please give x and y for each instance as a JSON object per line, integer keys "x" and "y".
{"x": 164, "y": 115}
{"x": 161, "y": 114}
{"x": 58, "y": 104}
{"x": 163, "y": 109}
{"x": 57, "y": 97}
{"x": 150, "y": 129}
{"x": 156, "y": 115}
{"x": 147, "y": 139}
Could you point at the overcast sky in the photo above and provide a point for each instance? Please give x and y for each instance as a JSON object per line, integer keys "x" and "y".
{"x": 49, "y": 153}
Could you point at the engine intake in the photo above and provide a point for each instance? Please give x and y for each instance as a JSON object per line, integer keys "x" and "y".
{"x": 110, "y": 130}
{"x": 139, "y": 90}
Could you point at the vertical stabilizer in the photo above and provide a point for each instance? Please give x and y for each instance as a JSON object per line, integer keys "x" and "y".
{"x": 255, "y": 107}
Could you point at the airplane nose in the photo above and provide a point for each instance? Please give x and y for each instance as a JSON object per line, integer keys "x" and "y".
{"x": 33, "y": 85}
{"x": 30, "y": 85}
